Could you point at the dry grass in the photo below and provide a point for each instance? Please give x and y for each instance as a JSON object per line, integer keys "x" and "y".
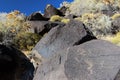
{"x": 56, "y": 18}
{"x": 115, "y": 16}
{"x": 26, "y": 52}
{"x": 65, "y": 20}
{"x": 114, "y": 39}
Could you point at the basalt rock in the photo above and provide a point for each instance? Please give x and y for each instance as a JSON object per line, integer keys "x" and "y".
{"x": 92, "y": 60}
{"x": 14, "y": 65}
{"x": 61, "y": 37}
{"x": 36, "y": 16}
{"x": 63, "y": 9}
{"x": 42, "y": 27}
{"x": 51, "y": 10}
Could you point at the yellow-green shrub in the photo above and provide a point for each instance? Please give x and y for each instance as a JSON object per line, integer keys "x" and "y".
{"x": 99, "y": 24}
{"x": 88, "y": 15}
{"x": 26, "y": 41}
{"x": 78, "y": 19}
{"x": 85, "y": 17}
{"x": 79, "y": 7}
{"x": 56, "y": 18}
{"x": 11, "y": 24}
{"x": 117, "y": 15}
{"x": 115, "y": 39}
{"x": 65, "y": 20}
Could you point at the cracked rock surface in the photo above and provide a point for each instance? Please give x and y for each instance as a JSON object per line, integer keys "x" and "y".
{"x": 61, "y": 37}
{"x": 92, "y": 60}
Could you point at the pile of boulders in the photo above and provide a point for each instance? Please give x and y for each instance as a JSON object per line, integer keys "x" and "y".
{"x": 66, "y": 52}
{"x": 72, "y": 52}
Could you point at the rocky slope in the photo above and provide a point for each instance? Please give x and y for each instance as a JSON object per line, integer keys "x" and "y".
{"x": 65, "y": 46}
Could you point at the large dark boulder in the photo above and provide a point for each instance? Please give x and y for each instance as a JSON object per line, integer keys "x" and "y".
{"x": 14, "y": 65}
{"x": 36, "y": 16}
{"x": 116, "y": 25}
{"x": 92, "y": 60}
{"x": 50, "y": 10}
{"x": 63, "y": 9}
{"x": 42, "y": 27}
{"x": 61, "y": 37}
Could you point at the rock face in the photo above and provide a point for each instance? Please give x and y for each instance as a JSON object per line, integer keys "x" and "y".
{"x": 61, "y": 37}
{"x": 42, "y": 27}
{"x": 92, "y": 60}
{"x": 36, "y": 16}
{"x": 14, "y": 65}
{"x": 51, "y": 10}
{"x": 63, "y": 9}
{"x": 116, "y": 25}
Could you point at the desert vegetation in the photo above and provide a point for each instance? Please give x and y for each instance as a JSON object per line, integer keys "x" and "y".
{"x": 57, "y": 18}
{"x": 80, "y": 27}
{"x": 13, "y": 25}
{"x": 14, "y": 29}
{"x": 97, "y": 15}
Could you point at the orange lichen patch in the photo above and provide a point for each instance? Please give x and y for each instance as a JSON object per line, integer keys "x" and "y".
{"x": 13, "y": 14}
{"x": 16, "y": 12}
{"x": 108, "y": 1}
{"x": 10, "y": 15}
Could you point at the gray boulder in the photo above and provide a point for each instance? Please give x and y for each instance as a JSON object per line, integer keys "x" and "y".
{"x": 61, "y": 37}
{"x": 63, "y": 9}
{"x": 36, "y": 16}
{"x": 14, "y": 65}
{"x": 92, "y": 60}
{"x": 42, "y": 27}
{"x": 50, "y": 10}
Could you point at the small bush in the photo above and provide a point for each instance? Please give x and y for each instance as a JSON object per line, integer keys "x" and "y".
{"x": 11, "y": 24}
{"x": 79, "y": 7}
{"x": 99, "y": 24}
{"x": 115, "y": 39}
{"x": 14, "y": 19}
{"x": 115, "y": 16}
{"x": 59, "y": 19}
{"x": 26, "y": 41}
{"x": 56, "y": 18}
{"x": 88, "y": 15}
{"x": 65, "y": 20}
